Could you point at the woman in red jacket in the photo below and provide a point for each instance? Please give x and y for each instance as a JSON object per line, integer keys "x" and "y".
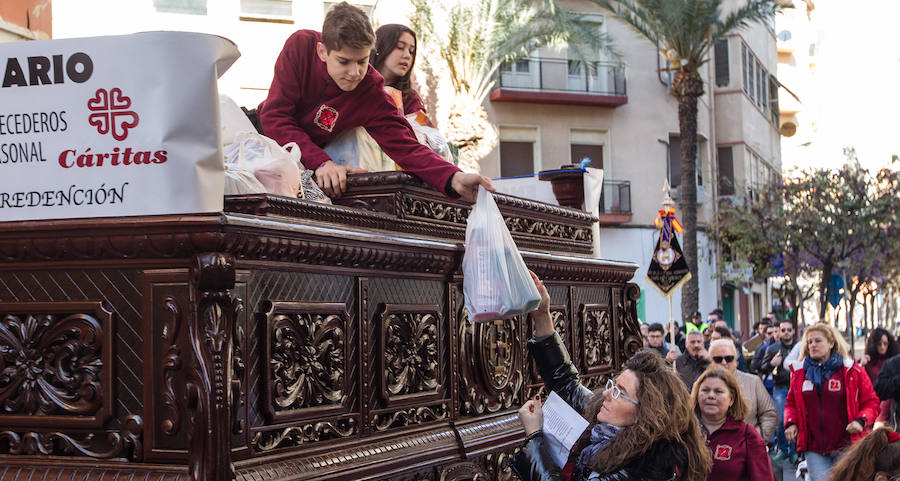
{"x": 830, "y": 403}
{"x": 738, "y": 453}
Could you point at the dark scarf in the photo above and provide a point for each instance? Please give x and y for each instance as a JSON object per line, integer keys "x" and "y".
{"x": 601, "y": 435}
{"x": 818, "y": 372}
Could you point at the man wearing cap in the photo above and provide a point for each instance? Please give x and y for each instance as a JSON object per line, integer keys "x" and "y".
{"x": 696, "y": 323}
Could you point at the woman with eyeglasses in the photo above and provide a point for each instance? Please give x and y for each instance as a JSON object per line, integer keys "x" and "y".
{"x": 761, "y": 412}
{"x": 876, "y": 457}
{"x": 831, "y": 402}
{"x": 738, "y": 452}
{"x": 641, "y": 427}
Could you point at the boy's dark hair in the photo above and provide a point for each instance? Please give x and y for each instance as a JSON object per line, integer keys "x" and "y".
{"x": 655, "y": 327}
{"x": 346, "y": 25}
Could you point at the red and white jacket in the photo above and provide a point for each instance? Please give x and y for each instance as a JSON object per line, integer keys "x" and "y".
{"x": 861, "y": 402}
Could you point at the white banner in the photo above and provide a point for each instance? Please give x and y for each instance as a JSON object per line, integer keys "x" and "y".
{"x": 111, "y": 126}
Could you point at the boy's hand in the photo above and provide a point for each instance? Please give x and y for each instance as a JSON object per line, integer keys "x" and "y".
{"x": 332, "y": 178}
{"x": 466, "y": 184}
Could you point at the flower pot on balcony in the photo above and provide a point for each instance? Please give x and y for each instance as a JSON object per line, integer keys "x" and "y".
{"x": 568, "y": 185}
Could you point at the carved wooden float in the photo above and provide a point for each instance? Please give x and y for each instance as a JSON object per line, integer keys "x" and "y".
{"x": 283, "y": 339}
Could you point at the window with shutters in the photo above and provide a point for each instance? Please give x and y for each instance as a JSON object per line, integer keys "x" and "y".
{"x": 757, "y": 81}
{"x": 593, "y": 152}
{"x": 726, "y": 170}
{"x": 516, "y": 158}
{"x": 675, "y": 162}
{"x": 723, "y": 74}
{"x": 774, "y": 110}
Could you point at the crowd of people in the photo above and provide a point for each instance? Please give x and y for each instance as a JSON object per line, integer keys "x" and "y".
{"x": 691, "y": 407}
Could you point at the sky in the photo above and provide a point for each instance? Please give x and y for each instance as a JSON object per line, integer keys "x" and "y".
{"x": 855, "y": 96}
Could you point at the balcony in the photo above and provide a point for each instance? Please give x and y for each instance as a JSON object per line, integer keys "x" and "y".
{"x": 562, "y": 81}
{"x": 615, "y": 202}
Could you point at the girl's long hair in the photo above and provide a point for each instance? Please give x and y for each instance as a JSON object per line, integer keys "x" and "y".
{"x": 664, "y": 412}
{"x": 386, "y": 38}
{"x": 874, "y": 453}
{"x": 873, "y": 340}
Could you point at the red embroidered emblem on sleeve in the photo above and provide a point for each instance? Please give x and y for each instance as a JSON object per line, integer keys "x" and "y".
{"x": 834, "y": 385}
{"x": 326, "y": 117}
{"x": 723, "y": 452}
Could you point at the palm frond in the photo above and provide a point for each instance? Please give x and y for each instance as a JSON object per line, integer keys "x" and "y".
{"x": 686, "y": 29}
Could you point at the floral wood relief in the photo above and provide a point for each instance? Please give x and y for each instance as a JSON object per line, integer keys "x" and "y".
{"x": 597, "y": 338}
{"x": 306, "y": 345}
{"x": 410, "y": 341}
{"x": 55, "y": 363}
{"x": 307, "y": 433}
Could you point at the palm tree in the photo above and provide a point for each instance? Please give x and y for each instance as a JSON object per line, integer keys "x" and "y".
{"x": 685, "y": 31}
{"x": 470, "y": 40}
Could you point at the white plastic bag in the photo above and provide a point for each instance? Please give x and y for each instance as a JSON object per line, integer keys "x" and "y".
{"x": 496, "y": 282}
{"x": 232, "y": 120}
{"x": 355, "y": 148}
{"x": 431, "y": 138}
{"x": 276, "y": 167}
{"x": 239, "y": 181}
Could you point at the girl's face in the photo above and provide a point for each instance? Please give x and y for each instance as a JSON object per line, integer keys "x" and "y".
{"x": 883, "y": 346}
{"x": 399, "y": 60}
{"x": 714, "y": 398}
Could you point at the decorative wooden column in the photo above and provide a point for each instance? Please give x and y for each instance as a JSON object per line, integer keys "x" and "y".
{"x": 209, "y": 389}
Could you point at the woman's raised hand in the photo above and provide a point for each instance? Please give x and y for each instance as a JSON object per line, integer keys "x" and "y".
{"x": 543, "y": 325}
{"x": 531, "y": 415}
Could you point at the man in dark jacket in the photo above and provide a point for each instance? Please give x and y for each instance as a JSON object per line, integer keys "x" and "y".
{"x": 656, "y": 338}
{"x": 773, "y": 362}
{"x": 692, "y": 363}
{"x": 887, "y": 386}
{"x": 760, "y": 354}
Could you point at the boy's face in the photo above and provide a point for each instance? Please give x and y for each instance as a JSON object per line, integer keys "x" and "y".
{"x": 347, "y": 66}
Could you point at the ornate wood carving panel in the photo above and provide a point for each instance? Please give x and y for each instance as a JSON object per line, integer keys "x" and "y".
{"x": 410, "y": 364}
{"x": 491, "y": 358}
{"x": 630, "y": 341}
{"x": 306, "y": 353}
{"x": 411, "y": 369}
{"x": 399, "y": 397}
{"x": 167, "y": 307}
{"x": 119, "y": 290}
{"x": 56, "y": 364}
{"x": 598, "y": 353}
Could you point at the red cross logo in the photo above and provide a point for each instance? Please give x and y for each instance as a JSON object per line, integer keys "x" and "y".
{"x": 326, "y": 117}
{"x": 834, "y": 385}
{"x": 723, "y": 452}
{"x": 110, "y": 114}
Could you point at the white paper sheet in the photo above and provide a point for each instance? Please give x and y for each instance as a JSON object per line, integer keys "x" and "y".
{"x": 562, "y": 427}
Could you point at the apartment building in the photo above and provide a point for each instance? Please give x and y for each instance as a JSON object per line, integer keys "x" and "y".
{"x": 798, "y": 45}
{"x": 25, "y": 20}
{"x": 551, "y": 110}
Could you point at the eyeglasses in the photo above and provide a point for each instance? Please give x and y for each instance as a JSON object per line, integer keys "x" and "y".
{"x": 615, "y": 392}
{"x": 719, "y": 359}
{"x": 787, "y": 330}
